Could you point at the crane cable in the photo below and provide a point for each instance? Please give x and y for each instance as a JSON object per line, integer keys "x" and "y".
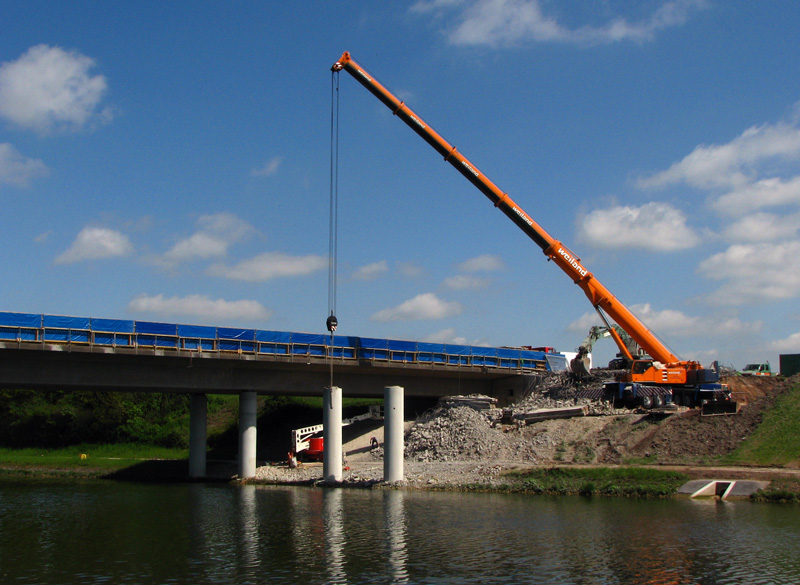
{"x": 333, "y": 220}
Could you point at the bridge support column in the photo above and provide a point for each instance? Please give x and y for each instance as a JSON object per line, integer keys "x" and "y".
{"x": 393, "y": 447}
{"x": 332, "y": 434}
{"x": 198, "y": 415}
{"x": 248, "y": 415}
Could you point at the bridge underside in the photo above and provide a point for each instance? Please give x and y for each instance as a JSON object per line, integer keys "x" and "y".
{"x": 131, "y": 370}
{"x": 83, "y": 367}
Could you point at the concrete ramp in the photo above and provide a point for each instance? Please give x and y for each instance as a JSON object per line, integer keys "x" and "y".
{"x": 722, "y": 488}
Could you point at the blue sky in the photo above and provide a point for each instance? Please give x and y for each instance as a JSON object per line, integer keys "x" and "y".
{"x": 171, "y": 162}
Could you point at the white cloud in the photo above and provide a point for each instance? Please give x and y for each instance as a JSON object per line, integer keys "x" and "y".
{"x": 654, "y": 226}
{"x": 763, "y": 227}
{"x": 421, "y": 307}
{"x": 769, "y": 192}
{"x": 511, "y": 22}
{"x": 49, "y": 88}
{"x": 675, "y": 323}
{"x": 95, "y": 243}
{"x": 200, "y": 306}
{"x": 465, "y": 282}
{"x": 484, "y": 262}
{"x": 270, "y": 265}
{"x": 754, "y": 272}
{"x": 269, "y": 168}
{"x": 789, "y": 344}
{"x": 733, "y": 165}
{"x": 215, "y": 234}
{"x": 447, "y": 336}
{"x": 409, "y": 269}
{"x": 18, "y": 170}
{"x": 371, "y": 271}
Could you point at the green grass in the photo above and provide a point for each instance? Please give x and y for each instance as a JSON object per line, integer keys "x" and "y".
{"x": 99, "y": 459}
{"x": 604, "y": 481}
{"x": 776, "y": 441}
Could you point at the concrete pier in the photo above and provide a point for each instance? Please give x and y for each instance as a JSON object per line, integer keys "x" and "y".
{"x": 332, "y": 434}
{"x": 248, "y": 416}
{"x": 393, "y": 446}
{"x": 198, "y": 430}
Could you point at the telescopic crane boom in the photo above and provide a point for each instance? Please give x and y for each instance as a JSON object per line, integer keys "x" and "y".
{"x": 665, "y": 367}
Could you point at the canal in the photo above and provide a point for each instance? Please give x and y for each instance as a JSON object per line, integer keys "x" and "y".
{"x": 76, "y": 532}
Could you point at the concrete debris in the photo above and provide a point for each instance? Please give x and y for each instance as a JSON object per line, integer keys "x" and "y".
{"x": 471, "y": 428}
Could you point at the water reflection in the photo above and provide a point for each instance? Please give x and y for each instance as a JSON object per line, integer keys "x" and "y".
{"x": 202, "y": 534}
{"x": 396, "y": 530}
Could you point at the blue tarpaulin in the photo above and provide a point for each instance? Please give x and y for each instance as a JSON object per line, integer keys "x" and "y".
{"x": 55, "y": 328}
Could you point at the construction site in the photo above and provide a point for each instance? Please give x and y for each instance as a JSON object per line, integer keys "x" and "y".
{"x": 470, "y": 441}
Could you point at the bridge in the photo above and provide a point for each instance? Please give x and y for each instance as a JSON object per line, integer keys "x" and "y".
{"x": 49, "y": 352}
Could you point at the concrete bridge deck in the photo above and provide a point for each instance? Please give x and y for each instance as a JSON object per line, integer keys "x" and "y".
{"x": 48, "y": 352}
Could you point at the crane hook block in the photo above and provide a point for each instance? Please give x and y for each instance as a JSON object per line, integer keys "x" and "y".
{"x": 332, "y": 323}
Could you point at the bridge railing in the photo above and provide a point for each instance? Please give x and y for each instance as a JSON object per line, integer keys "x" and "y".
{"x": 48, "y": 330}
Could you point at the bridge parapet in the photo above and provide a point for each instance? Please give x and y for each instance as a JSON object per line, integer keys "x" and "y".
{"x": 28, "y": 330}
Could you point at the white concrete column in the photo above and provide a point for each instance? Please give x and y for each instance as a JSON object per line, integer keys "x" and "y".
{"x": 393, "y": 434}
{"x": 248, "y": 416}
{"x": 332, "y": 434}
{"x": 198, "y": 416}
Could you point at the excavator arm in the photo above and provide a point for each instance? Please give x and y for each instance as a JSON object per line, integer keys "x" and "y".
{"x": 600, "y": 297}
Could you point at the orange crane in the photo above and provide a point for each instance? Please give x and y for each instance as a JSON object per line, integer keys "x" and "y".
{"x": 665, "y": 375}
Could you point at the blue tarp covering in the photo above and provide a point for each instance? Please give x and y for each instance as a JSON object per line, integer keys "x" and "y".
{"x": 34, "y": 327}
{"x": 197, "y": 331}
{"x": 274, "y": 336}
{"x": 112, "y": 325}
{"x": 156, "y": 328}
{"x": 20, "y": 320}
{"x": 556, "y": 361}
{"x": 58, "y": 322}
{"x": 233, "y": 333}
{"x": 66, "y": 329}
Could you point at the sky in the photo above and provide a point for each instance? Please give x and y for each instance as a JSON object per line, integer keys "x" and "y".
{"x": 171, "y": 161}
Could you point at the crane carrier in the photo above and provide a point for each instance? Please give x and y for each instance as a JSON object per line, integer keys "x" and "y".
{"x": 663, "y": 376}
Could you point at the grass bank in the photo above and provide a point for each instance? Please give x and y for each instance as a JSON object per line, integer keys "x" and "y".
{"x": 776, "y": 441}
{"x": 83, "y": 460}
{"x": 599, "y": 481}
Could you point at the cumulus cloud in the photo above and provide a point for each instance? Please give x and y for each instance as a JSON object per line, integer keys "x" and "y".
{"x": 675, "y": 323}
{"x": 199, "y": 306}
{"x": 371, "y": 271}
{"x": 422, "y": 307}
{"x": 733, "y": 164}
{"x": 49, "y": 89}
{"x": 465, "y": 282}
{"x": 96, "y": 243}
{"x": 448, "y": 335}
{"x": 512, "y": 22}
{"x": 215, "y": 234}
{"x": 270, "y": 265}
{"x": 789, "y": 344}
{"x": 269, "y": 168}
{"x": 484, "y": 262}
{"x": 18, "y": 170}
{"x": 754, "y": 272}
{"x": 763, "y": 227}
{"x": 409, "y": 269}
{"x": 658, "y": 227}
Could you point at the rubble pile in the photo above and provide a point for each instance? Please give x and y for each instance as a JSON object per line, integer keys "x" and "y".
{"x": 457, "y": 433}
{"x": 471, "y": 428}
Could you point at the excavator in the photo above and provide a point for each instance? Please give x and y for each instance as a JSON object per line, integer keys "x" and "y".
{"x": 629, "y": 350}
{"x": 663, "y": 376}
